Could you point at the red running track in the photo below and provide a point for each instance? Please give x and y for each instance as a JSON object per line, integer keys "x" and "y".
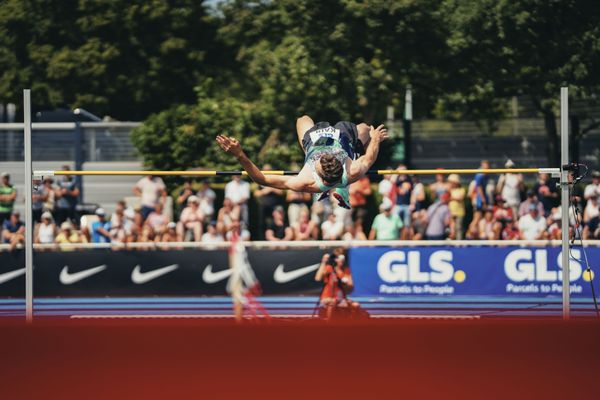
{"x": 200, "y": 359}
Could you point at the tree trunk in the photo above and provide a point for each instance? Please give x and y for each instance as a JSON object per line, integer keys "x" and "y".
{"x": 553, "y": 142}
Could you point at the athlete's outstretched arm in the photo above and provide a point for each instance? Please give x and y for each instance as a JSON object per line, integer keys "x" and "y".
{"x": 360, "y": 167}
{"x": 233, "y": 147}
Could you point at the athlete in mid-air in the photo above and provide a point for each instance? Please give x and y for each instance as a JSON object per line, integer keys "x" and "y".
{"x": 335, "y": 157}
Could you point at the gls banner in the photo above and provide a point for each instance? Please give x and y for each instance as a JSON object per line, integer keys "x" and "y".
{"x": 155, "y": 273}
{"x": 482, "y": 271}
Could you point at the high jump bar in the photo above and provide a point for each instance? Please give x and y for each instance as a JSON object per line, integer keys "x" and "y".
{"x": 281, "y": 172}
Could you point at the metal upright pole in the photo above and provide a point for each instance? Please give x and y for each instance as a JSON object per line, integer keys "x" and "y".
{"x": 564, "y": 204}
{"x": 28, "y": 208}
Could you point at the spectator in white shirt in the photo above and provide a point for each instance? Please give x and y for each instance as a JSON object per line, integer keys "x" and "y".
{"x": 332, "y": 229}
{"x": 238, "y": 191}
{"x": 532, "y": 225}
{"x": 593, "y": 189}
{"x": 509, "y": 187}
{"x": 207, "y": 197}
{"x": 212, "y": 235}
{"x": 45, "y": 231}
{"x": 191, "y": 220}
{"x": 152, "y": 190}
{"x": 120, "y": 225}
{"x": 591, "y": 217}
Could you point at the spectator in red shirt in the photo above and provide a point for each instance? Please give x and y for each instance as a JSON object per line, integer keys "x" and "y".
{"x": 510, "y": 231}
{"x": 359, "y": 191}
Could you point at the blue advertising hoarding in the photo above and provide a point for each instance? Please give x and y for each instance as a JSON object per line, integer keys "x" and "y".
{"x": 457, "y": 271}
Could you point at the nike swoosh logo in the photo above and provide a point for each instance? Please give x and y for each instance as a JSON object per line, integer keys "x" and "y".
{"x": 139, "y": 277}
{"x": 8, "y": 276}
{"x": 281, "y": 276}
{"x": 67, "y": 278}
{"x": 213, "y": 277}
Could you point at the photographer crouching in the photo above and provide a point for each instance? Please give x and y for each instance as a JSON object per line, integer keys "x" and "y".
{"x": 335, "y": 274}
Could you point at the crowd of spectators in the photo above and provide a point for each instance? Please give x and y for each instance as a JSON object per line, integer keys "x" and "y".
{"x": 487, "y": 208}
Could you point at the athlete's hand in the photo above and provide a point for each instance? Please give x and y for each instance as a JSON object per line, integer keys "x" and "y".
{"x": 325, "y": 258}
{"x": 230, "y": 145}
{"x": 379, "y": 133}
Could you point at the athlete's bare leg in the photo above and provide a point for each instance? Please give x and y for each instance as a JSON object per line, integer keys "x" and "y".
{"x": 303, "y": 124}
{"x": 363, "y": 134}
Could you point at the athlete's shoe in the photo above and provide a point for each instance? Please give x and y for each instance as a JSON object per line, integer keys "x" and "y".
{"x": 323, "y": 196}
{"x": 342, "y": 203}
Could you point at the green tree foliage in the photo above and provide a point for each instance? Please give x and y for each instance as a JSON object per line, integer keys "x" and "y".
{"x": 337, "y": 59}
{"x": 183, "y": 137}
{"x": 123, "y": 58}
{"x": 257, "y": 65}
{"x": 503, "y": 48}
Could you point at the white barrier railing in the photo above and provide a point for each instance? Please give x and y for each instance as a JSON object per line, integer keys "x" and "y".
{"x": 299, "y": 244}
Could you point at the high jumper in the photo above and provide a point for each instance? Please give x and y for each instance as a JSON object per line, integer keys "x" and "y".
{"x": 335, "y": 157}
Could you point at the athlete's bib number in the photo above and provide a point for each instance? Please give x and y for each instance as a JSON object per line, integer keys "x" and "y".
{"x": 329, "y": 132}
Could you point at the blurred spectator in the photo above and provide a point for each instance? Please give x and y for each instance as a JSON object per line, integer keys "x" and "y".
{"x": 277, "y": 229}
{"x": 137, "y": 224}
{"x": 554, "y": 224}
{"x": 151, "y": 190}
{"x": 342, "y": 214}
{"x": 120, "y": 225}
{"x": 67, "y": 195}
{"x": 386, "y": 187}
{"x": 479, "y": 193}
{"x": 68, "y": 235}
{"x": 268, "y": 199}
{"x": 8, "y": 194}
{"x": 37, "y": 198}
{"x": 386, "y": 225}
{"x": 417, "y": 197}
{"x": 13, "y": 232}
{"x": 510, "y": 231}
{"x": 185, "y": 192}
{"x": 100, "y": 229}
{"x": 510, "y": 186}
{"x": 207, "y": 198}
{"x": 438, "y": 218}
{"x": 438, "y": 187}
{"x": 501, "y": 210}
{"x": 212, "y": 235}
{"x": 591, "y": 217}
{"x": 170, "y": 233}
{"x": 320, "y": 210}
{"x": 238, "y": 227}
{"x": 403, "y": 198}
{"x": 332, "y": 229}
{"x": 296, "y": 203}
{"x": 531, "y": 199}
{"x": 546, "y": 193}
{"x": 227, "y": 214}
{"x": 49, "y": 193}
{"x": 147, "y": 235}
{"x": 419, "y": 225}
{"x": 359, "y": 192}
{"x": 593, "y": 189}
{"x": 304, "y": 228}
{"x": 45, "y": 231}
{"x": 489, "y": 228}
{"x": 354, "y": 231}
{"x": 190, "y": 221}
{"x": 457, "y": 206}
{"x": 157, "y": 220}
{"x": 238, "y": 191}
{"x": 532, "y": 225}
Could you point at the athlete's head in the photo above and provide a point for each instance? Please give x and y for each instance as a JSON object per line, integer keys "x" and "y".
{"x": 331, "y": 168}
